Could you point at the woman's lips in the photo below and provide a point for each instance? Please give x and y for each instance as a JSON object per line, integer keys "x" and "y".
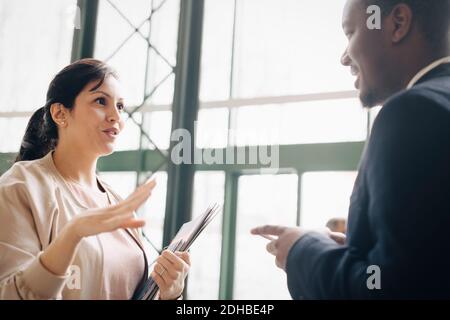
{"x": 111, "y": 133}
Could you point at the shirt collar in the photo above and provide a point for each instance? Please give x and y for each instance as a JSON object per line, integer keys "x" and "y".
{"x": 427, "y": 69}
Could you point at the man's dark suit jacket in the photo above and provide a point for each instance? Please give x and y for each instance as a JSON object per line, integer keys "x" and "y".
{"x": 399, "y": 216}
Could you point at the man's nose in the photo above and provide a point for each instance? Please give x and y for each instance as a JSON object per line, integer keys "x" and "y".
{"x": 345, "y": 59}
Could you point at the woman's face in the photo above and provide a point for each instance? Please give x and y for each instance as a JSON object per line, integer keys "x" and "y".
{"x": 95, "y": 122}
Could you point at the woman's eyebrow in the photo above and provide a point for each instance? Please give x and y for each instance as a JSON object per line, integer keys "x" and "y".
{"x": 99, "y": 91}
{"x": 106, "y": 94}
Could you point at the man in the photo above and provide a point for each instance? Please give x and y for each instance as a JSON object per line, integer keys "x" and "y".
{"x": 398, "y": 236}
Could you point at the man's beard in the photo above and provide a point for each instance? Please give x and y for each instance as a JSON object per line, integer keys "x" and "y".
{"x": 371, "y": 99}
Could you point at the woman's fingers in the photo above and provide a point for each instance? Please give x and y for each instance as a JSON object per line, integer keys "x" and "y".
{"x": 133, "y": 224}
{"x": 134, "y": 201}
{"x": 169, "y": 277}
{"x": 122, "y": 214}
{"x": 185, "y": 256}
{"x": 141, "y": 193}
{"x": 159, "y": 280}
{"x": 163, "y": 265}
{"x": 122, "y": 221}
{"x": 170, "y": 272}
{"x": 144, "y": 188}
{"x": 178, "y": 263}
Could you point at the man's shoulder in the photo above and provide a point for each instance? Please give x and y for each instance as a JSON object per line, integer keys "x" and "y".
{"x": 416, "y": 106}
{"x": 433, "y": 93}
{"x": 413, "y": 119}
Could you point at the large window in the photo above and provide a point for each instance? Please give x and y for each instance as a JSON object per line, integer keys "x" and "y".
{"x": 275, "y": 66}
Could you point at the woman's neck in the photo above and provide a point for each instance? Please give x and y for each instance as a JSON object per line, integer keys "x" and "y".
{"x": 75, "y": 166}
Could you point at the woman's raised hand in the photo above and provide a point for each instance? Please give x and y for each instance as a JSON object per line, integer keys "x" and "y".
{"x": 120, "y": 215}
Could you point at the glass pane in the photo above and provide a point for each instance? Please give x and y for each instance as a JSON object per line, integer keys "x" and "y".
{"x": 325, "y": 195}
{"x": 204, "y": 274}
{"x": 158, "y": 124}
{"x": 129, "y": 137}
{"x": 262, "y": 200}
{"x": 114, "y": 33}
{"x": 297, "y": 123}
{"x": 165, "y": 28}
{"x": 45, "y": 26}
{"x": 212, "y": 128}
{"x": 373, "y": 115}
{"x": 164, "y": 31}
{"x": 130, "y": 60}
{"x": 216, "y": 50}
{"x": 113, "y": 29}
{"x": 123, "y": 183}
{"x": 289, "y": 47}
{"x": 160, "y": 82}
{"x": 136, "y": 11}
{"x": 154, "y": 210}
{"x": 11, "y": 133}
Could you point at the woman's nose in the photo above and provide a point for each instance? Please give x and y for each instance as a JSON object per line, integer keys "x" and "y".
{"x": 114, "y": 115}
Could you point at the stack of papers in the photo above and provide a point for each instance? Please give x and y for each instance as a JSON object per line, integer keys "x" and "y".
{"x": 182, "y": 242}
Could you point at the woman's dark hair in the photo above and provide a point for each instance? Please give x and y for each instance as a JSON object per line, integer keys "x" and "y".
{"x": 41, "y": 134}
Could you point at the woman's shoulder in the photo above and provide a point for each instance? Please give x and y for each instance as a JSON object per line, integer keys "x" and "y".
{"x": 28, "y": 187}
{"x": 35, "y": 173}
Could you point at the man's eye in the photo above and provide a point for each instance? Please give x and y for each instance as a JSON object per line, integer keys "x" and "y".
{"x": 101, "y": 101}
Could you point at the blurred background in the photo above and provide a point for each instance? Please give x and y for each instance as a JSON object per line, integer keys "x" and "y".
{"x": 268, "y": 71}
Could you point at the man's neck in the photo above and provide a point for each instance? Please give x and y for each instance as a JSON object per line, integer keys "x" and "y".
{"x": 418, "y": 62}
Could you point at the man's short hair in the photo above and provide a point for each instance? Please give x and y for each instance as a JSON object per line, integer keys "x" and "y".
{"x": 433, "y": 17}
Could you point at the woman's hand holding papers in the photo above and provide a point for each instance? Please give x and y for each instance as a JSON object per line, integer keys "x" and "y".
{"x": 169, "y": 273}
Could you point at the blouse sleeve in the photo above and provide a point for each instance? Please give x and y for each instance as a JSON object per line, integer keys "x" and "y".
{"x": 22, "y": 275}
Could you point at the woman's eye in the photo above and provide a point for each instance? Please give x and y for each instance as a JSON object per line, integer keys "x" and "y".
{"x": 101, "y": 101}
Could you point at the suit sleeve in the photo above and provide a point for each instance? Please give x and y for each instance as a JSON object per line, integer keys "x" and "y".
{"x": 407, "y": 181}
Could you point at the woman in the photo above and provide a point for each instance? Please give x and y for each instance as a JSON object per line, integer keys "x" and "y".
{"x": 64, "y": 233}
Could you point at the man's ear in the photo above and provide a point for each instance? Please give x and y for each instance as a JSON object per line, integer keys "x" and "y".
{"x": 401, "y": 19}
{"x": 59, "y": 114}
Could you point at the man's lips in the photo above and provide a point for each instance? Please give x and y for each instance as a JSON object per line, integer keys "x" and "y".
{"x": 357, "y": 83}
{"x": 355, "y": 72}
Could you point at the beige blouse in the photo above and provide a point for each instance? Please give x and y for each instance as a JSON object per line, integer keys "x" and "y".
{"x": 35, "y": 203}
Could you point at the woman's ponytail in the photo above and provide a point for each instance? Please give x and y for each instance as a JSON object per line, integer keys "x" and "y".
{"x": 40, "y": 136}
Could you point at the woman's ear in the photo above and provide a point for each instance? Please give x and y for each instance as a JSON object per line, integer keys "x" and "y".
{"x": 59, "y": 114}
